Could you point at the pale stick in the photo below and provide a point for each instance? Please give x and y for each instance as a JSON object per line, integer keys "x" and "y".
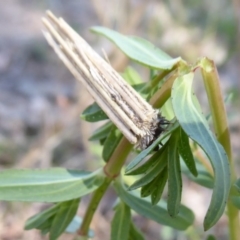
{"x": 134, "y": 117}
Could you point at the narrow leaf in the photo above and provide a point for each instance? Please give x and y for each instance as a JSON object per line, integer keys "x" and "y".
{"x": 121, "y": 222}
{"x": 172, "y": 126}
{"x": 193, "y": 122}
{"x": 157, "y": 213}
{"x": 174, "y": 175}
{"x": 142, "y": 89}
{"x": 132, "y": 76}
{"x": 65, "y": 214}
{"x": 151, "y": 173}
{"x": 37, "y": 220}
{"x": 93, "y": 113}
{"x": 134, "y": 233}
{"x": 160, "y": 183}
{"x": 47, "y": 185}
{"x": 204, "y": 178}
{"x": 147, "y": 189}
{"x": 186, "y": 152}
{"x": 210, "y": 237}
{"x": 111, "y": 143}
{"x": 139, "y": 49}
{"x": 45, "y": 226}
{"x": 155, "y": 187}
{"x": 101, "y": 132}
{"x": 149, "y": 164}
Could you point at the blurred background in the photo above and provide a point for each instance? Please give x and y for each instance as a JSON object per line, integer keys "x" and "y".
{"x": 40, "y": 102}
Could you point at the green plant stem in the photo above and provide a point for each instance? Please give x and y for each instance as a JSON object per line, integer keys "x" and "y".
{"x": 151, "y": 84}
{"x": 163, "y": 93}
{"x": 96, "y": 198}
{"x": 112, "y": 170}
{"x": 118, "y": 158}
{"x": 160, "y": 77}
{"x": 212, "y": 86}
{"x": 233, "y": 221}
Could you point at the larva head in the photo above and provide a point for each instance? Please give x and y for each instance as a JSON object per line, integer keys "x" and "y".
{"x": 157, "y": 127}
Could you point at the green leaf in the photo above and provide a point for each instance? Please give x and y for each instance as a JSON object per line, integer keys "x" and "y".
{"x": 102, "y": 132}
{"x": 45, "y": 226}
{"x": 186, "y": 152}
{"x": 147, "y": 189}
{"x": 65, "y": 214}
{"x": 167, "y": 110}
{"x": 152, "y": 172}
{"x": 37, "y": 220}
{"x": 157, "y": 213}
{"x": 149, "y": 164}
{"x": 93, "y": 113}
{"x": 102, "y": 141}
{"x": 195, "y": 125}
{"x": 138, "y": 49}
{"x": 204, "y": 178}
{"x": 142, "y": 88}
{"x": 121, "y": 222}
{"x": 210, "y": 237}
{"x": 134, "y": 233}
{"x": 155, "y": 187}
{"x": 174, "y": 175}
{"x": 172, "y": 126}
{"x": 134, "y": 79}
{"x": 47, "y": 185}
{"x": 160, "y": 183}
{"x": 132, "y": 76}
{"x": 111, "y": 143}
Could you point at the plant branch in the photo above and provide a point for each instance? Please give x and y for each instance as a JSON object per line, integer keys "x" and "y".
{"x": 212, "y": 86}
{"x": 160, "y": 77}
{"x": 163, "y": 93}
{"x": 96, "y": 198}
{"x": 118, "y": 158}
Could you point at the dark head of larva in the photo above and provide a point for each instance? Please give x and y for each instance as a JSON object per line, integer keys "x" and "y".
{"x": 161, "y": 125}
